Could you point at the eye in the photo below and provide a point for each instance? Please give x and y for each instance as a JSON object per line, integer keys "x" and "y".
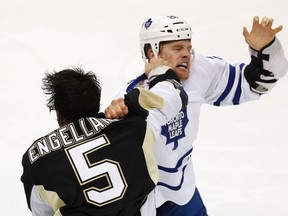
{"x": 178, "y": 48}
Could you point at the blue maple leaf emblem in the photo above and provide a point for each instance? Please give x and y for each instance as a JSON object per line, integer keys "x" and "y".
{"x": 175, "y": 128}
{"x": 148, "y": 23}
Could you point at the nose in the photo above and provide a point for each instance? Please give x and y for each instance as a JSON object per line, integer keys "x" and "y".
{"x": 186, "y": 53}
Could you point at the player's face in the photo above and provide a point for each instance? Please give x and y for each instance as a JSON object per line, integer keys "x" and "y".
{"x": 178, "y": 53}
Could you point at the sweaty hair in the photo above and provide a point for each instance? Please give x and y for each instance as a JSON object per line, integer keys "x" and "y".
{"x": 73, "y": 93}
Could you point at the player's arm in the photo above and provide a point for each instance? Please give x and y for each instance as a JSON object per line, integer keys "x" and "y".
{"x": 156, "y": 67}
{"x": 231, "y": 84}
{"x": 41, "y": 202}
{"x": 268, "y": 62}
{"x": 38, "y": 206}
{"x": 165, "y": 96}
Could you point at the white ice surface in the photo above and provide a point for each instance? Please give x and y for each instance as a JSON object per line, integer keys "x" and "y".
{"x": 241, "y": 155}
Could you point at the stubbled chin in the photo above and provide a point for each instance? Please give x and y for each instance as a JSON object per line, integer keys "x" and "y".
{"x": 182, "y": 74}
{"x": 184, "y": 77}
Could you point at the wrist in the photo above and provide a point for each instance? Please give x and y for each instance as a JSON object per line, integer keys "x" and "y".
{"x": 160, "y": 69}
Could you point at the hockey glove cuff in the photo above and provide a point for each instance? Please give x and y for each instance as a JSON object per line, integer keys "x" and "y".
{"x": 260, "y": 80}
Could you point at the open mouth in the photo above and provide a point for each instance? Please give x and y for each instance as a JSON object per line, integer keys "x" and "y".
{"x": 183, "y": 65}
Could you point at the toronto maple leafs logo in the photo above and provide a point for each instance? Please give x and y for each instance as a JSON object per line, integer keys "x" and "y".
{"x": 148, "y": 23}
{"x": 175, "y": 128}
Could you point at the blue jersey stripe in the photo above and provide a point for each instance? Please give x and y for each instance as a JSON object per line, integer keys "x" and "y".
{"x": 135, "y": 82}
{"x": 229, "y": 86}
{"x": 179, "y": 163}
{"x": 237, "y": 96}
{"x": 175, "y": 188}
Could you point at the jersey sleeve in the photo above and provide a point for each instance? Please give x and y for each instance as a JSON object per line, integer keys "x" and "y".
{"x": 158, "y": 105}
{"x": 272, "y": 58}
{"x": 227, "y": 84}
{"x": 38, "y": 206}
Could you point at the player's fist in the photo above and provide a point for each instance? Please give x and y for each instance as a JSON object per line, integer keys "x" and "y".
{"x": 153, "y": 64}
{"x": 117, "y": 109}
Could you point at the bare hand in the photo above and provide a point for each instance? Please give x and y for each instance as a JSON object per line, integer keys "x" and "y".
{"x": 117, "y": 109}
{"x": 261, "y": 33}
{"x": 155, "y": 62}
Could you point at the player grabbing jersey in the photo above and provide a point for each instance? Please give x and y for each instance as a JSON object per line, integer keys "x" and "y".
{"x": 95, "y": 166}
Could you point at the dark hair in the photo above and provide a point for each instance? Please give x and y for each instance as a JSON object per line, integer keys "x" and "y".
{"x": 73, "y": 93}
{"x": 147, "y": 47}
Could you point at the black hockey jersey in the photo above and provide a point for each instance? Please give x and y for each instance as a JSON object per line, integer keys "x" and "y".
{"x": 97, "y": 166}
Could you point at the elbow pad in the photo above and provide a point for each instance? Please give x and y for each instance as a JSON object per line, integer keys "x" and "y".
{"x": 260, "y": 80}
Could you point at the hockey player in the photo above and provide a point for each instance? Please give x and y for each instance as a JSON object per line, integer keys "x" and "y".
{"x": 209, "y": 80}
{"x": 95, "y": 166}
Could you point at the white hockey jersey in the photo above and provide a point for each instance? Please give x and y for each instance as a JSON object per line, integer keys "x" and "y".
{"x": 213, "y": 81}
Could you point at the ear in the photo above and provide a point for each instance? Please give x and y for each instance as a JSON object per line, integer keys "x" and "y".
{"x": 150, "y": 53}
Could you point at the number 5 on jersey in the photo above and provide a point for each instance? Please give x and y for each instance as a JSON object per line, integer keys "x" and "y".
{"x": 87, "y": 172}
